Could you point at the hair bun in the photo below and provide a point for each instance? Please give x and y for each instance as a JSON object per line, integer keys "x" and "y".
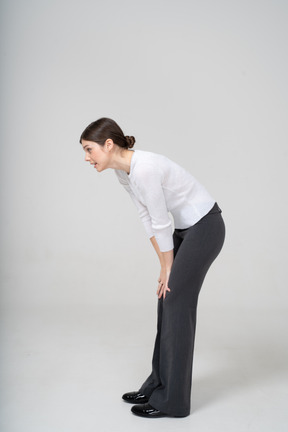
{"x": 130, "y": 141}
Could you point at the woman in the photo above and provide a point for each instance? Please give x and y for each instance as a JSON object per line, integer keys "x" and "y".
{"x": 158, "y": 187}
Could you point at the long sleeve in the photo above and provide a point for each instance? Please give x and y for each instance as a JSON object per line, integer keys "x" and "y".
{"x": 142, "y": 210}
{"x": 149, "y": 186}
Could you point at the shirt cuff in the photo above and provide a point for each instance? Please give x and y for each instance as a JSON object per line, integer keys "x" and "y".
{"x": 148, "y": 228}
{"x": 164, "y": 239}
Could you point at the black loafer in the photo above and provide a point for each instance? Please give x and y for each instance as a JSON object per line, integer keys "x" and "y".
{"x": 146, "y": 410}
{"x": 135, "y": 397}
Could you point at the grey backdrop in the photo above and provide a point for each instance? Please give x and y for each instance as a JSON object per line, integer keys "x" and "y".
{"x": 203, "y": 82}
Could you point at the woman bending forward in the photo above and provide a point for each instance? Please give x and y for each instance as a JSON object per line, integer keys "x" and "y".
{"x": 158, "y": 187}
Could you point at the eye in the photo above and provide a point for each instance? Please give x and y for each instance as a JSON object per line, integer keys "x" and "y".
{"x": 89, "y": 150}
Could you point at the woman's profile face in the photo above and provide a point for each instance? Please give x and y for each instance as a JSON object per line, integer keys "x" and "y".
{"x": 96, "y": 155}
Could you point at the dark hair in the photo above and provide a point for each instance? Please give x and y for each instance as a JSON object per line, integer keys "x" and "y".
{"x": 100, "y": 130}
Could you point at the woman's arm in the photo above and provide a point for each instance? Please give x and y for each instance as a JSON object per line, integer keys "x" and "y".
{"x": 166, "y": 261}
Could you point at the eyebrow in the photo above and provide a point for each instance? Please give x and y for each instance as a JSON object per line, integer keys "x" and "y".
{"x": 87, "y": 145}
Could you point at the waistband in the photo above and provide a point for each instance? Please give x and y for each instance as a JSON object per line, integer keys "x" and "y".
{"x": 215, "y": 209}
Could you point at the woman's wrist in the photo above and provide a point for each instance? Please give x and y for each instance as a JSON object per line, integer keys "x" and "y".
{"x": 168, "y": 258}
{"x": 165, "y": 267}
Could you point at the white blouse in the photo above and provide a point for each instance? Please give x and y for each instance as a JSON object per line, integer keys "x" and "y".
{"x": 159, "y": 186}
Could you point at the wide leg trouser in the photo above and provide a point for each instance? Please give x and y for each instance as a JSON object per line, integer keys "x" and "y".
{"x": 169, "y": 384}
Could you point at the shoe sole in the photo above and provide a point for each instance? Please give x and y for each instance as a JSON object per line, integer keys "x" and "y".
{"x": 157, "y": 415}
{"x": 148, "y": 415}
{"x": 136, "y": 402}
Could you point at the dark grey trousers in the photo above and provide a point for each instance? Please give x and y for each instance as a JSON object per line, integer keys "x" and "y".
{"x": 169, "y": 385}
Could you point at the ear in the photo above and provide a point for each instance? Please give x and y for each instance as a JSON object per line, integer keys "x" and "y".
{"x": 109, "y": 144}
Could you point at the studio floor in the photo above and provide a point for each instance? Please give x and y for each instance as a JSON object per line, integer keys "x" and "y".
{"x": 66, "y": 368}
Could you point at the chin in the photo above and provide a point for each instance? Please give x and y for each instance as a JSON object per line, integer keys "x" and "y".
{"x": 103, "y": 168}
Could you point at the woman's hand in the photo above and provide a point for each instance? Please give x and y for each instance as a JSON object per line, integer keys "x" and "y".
{"x": 166, "y": 261}
{"x": 163, "y": 282}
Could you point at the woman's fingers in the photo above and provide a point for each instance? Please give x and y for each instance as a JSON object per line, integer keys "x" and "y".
{"x": 167, "y": 289}
{"x": 159, "y": 288}
{"x": 162, "y": 289}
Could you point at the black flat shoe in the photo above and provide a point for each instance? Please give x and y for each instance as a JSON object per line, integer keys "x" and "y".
{"x": 135, "y": 397}
{"x": 146, "y": 410}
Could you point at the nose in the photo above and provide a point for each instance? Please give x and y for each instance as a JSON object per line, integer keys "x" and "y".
{"x": 87, "y": 158}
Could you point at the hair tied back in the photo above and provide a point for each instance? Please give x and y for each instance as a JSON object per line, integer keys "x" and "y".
{"x": 130, "y": 141}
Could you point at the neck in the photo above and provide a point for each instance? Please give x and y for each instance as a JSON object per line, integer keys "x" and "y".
{"x": 122, "y": 160}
